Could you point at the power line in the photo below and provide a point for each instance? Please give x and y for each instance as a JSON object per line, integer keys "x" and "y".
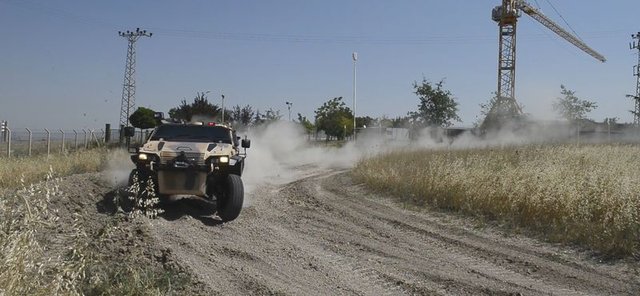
{"x": 287, "y": 38}
{"x": 564, "y": 20}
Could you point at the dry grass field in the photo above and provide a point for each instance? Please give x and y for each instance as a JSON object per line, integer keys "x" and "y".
{"x": 17, "y": 171}
{"x": 26, "y": 214}
{"x": 586, "y": 195}
{"x": 53, "y": 242}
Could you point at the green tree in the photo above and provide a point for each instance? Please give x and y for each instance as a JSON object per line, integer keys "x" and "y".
{"x": 143, "y": 118}
{"x": 242, "y": 115}
{"x": 571, "y": 107}
{"x": 200, "y": 106}
{"x": 272, "y": 115}
{"x": 258, "y": 118}
{"x": 268, "y": 117}
{"x": 335, "y": 118}
{"x": 364, "y": 121}
{"x": 401, "y": 122}
{"x": 437, "y": 106}
{"x": 306, "y": 124}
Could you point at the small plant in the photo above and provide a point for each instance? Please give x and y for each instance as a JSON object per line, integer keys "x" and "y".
{"x": 145, "y": 200}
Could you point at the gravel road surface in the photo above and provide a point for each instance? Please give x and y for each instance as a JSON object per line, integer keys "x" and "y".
{"x": 322, "y": 234}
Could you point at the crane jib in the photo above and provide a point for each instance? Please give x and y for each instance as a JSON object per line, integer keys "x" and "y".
{"x": 551, "y": 25}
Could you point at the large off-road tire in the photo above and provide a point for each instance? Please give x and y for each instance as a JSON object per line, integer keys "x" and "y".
{"x": 230, "y": 202}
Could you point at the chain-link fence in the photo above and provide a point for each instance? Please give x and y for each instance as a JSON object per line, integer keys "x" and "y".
{"x": 23, "y": 142}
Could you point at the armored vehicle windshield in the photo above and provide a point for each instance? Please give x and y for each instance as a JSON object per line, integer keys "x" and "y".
{"x": 192, "y": 133}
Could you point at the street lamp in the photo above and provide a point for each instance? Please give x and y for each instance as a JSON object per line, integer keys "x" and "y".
{"x": 354, "y": 56}
{"x": 289, "y": 104}
{"x": 222, "y": 108}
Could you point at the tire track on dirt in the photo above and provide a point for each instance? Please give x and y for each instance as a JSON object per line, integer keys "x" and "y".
{"x": 322, "y": 234}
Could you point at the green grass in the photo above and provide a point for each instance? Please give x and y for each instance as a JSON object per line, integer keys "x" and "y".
{"x": 587, "y": 195}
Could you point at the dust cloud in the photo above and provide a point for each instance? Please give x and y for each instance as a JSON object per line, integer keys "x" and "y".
{"x": 282, "y": 152}
{"x": 118, "y": 167}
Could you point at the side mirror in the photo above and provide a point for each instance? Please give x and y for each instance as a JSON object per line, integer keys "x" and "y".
{"x": 129, "y": 131}
{"x": 246, "y": 143}
{"x": 158, "y": 115}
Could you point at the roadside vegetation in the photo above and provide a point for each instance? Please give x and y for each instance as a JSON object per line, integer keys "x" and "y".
{"x": 14, "y": 172}
{"x": 50, "y": 245}
{"x": 586, "y": 195}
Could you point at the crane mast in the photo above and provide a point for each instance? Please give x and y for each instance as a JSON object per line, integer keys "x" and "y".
{"x": 506, "y": 15}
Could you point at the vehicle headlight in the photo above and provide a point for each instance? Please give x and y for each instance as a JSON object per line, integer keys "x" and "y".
{"x": 143, "y": 156}
{"x": 224, "y": 159}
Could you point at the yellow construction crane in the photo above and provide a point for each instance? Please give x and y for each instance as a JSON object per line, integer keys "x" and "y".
{"x": 507, "y": 16}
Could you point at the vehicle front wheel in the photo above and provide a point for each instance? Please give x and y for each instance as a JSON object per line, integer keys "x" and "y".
{"x": 230, "y": 203}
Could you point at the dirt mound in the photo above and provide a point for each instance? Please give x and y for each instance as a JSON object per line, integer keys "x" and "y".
{"x": 114, "y": 246}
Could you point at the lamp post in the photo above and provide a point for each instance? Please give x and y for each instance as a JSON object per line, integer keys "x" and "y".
{"x": 222, "y": 108}
{"x": 354, "y": 56}
{"x": 289, "y": 104}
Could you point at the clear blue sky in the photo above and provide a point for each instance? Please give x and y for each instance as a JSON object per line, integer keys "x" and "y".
{"x": 62, "y": 62}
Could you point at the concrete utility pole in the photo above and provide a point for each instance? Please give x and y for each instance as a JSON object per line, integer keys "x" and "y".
{"x": 354, "y": 56}
{"x": 289, "y": 104}
{"x": 636, "y": 72}
{"x": 222, "y": 108}
{"x": 129, "y": 86}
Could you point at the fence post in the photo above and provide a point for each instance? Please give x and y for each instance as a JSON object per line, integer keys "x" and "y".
{"x": 8, "y": 133}
{"x": 85, "y": 138}
{"x": 62, "y": 147}
{"x": 30, "y": 140}
{"x": 75, "y": 140}
{"x": 48, "y": 142}
{"x": 107, "y": 133}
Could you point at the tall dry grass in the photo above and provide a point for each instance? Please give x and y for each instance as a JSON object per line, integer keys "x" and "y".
{"x": 588, "y": 195}
{"x": 28, "y": 186}
{"x": 27, "y": 267}
{"x": 27, "y": 170}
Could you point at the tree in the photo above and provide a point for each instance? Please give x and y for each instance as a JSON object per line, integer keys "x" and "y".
{"x": 143, "y": 118}
{"x": 364, "y": 121}
{"x": 257, "y": 119}
{"x": 400, "y": 122}
{"x": 200, "y": 106}
{"x": 437, "y": 106}
{"x": 272, "y": 115}
{"x": 267, "y": 117}
{"x": 571, "y": 107}
{"x": 306, "y": 124}
{"x": 335, "y": 118}
{"x": 242, "y": 115}
{"x": 610, "y": 120}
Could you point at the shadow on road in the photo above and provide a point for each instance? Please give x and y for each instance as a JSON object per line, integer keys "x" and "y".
{"x": 198, "y": 208}
{"x": 116, "y": 201}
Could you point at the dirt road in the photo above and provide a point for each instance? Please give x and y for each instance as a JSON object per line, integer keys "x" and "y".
{"x": 324, "y": 235}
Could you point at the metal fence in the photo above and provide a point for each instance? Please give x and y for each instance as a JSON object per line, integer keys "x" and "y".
{"x": 31, "y": 141}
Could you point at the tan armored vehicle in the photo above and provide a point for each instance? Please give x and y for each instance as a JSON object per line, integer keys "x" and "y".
{"x": 201, "y": 159}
